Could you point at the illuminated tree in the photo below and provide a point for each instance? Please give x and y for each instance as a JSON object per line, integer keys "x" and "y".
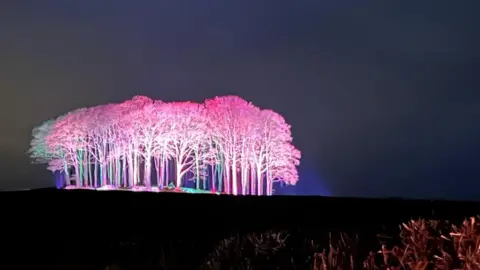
{"x": 145, "y": 124}
{"x": 38, "y": 151}
{"x": 151, "y": 121}
{"x": 101, "y": 141}
{"x": 66, "y": 140}
{"x": 284, "y": 168}
{"x": 278, "y": 146}
{"x": 230, "y": 118}
{"x": 225, "y": 144}
{"x": 272, "y": 153}
{"x": 162, "y": 151}
{"x": 132, "y": 127}
{"x": 188, "y": 129}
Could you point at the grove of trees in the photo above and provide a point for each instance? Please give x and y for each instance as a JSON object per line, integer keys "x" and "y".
{"x": 225, "y": 144}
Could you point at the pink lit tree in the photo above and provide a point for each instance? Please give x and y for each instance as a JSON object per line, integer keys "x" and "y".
{"x": 102, "y": 127}
{"x": 282, "y": 157}
{"x": 225, "y": 144}
{"x": 284, "y": 168}
{"x": 270, "y": 148}
{"x": 67, "y": 139}
{"x": 230, "y": 120}
{"x": 162, "y": 152}
{"x": 147, "y": 122}
{"x": 134, "y": 133}
{"x": 41, "y": 153}
{"x": 188, "y": 130}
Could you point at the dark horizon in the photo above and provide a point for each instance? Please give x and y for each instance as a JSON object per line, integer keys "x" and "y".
{"x": 382, "y": 97}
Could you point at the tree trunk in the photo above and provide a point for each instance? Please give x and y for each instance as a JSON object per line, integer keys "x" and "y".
{"x": 213, "y": 179}
{"x": 234, "y": 178}
{"x": 178, "y": 178}
{"x": 147, "y": 173}
{"x": 77, "y": 176}
{"x": 123, "y": 179}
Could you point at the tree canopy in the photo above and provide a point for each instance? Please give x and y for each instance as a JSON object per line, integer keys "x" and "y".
{"x": 225, "y": 144}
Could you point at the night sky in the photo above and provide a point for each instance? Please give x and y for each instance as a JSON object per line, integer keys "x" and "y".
{"x": 382, "y": 96}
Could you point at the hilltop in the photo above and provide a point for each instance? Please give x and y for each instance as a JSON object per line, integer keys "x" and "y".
{"x": 291, "y": 210}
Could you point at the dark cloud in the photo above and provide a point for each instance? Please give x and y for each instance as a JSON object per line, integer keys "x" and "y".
{"x": 382, "y": 97}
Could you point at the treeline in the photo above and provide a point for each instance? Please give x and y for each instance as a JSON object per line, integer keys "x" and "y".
{"x": 225, "y": 144}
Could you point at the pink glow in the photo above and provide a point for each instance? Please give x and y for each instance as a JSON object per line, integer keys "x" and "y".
{"x": 225, "y": 144}
{"x": 107, "y": 187}
{"x": 75, "y": 187}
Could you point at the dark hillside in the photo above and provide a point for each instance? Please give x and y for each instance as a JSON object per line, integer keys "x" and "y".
{"x": 77, "y": 205}
{"x": 66, "y": 224}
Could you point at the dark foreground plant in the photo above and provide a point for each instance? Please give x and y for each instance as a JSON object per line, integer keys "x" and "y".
{"x": 432, "y": 244}
{"x": 422, "y": 244}
{"x": 279, "y": 250}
